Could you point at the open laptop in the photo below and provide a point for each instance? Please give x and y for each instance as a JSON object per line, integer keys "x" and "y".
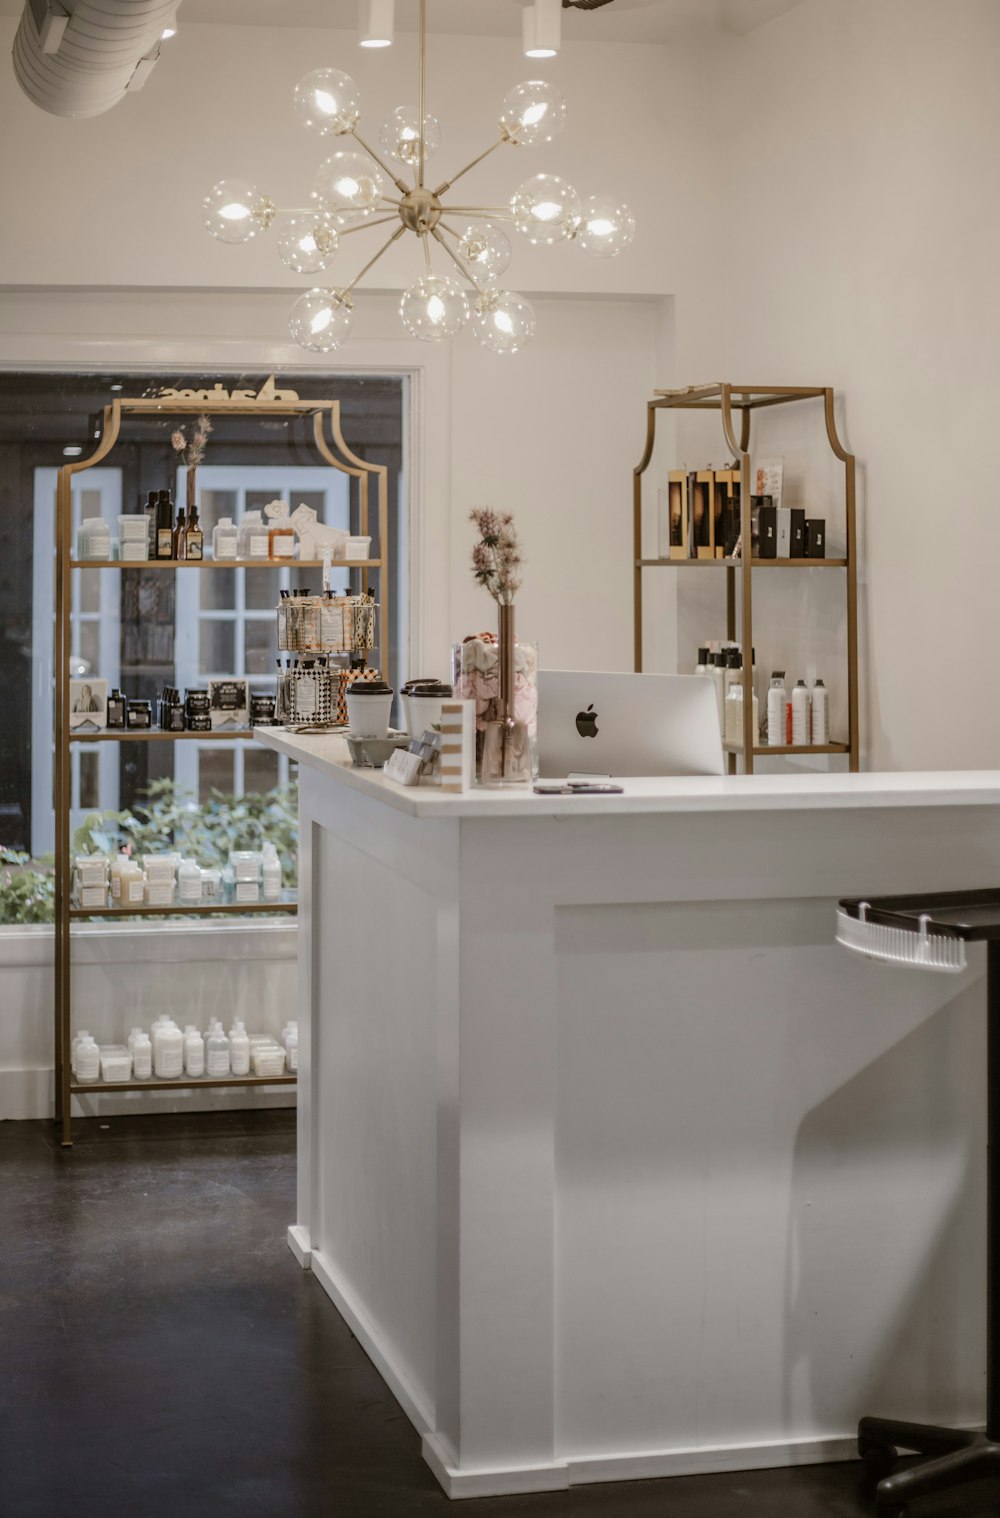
{"x": 627, "y": 725}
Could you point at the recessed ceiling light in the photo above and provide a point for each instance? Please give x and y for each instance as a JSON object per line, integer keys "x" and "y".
{"x": 73, "y": 451}
{"x": 118, "y": 387}
{"x": 542, "y": 28}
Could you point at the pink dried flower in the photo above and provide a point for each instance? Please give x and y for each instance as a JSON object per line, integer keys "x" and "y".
{"x": 178, "y": 441}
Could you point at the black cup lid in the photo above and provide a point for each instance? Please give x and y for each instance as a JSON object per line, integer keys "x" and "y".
{"x": 369, "y": 688}
{"x": 438, "y": 688}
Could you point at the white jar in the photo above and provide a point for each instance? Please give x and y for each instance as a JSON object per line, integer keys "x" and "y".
{"x": 270, "y": 873}
{"x": 93, "y": 539}
{"x": 142, "y": 1057}
{"x": 239, "y": 1049}
{"x": 194, "y": 1051}
{"x": 168, "y": 1052}
{"x": 189, "y": 883}
{"x": 225, "y": 539}
{"x": 211, "y": 885}
{"x": 77, "y": 1041}
{"x": 88, "y": 1059}
{"x": 252, "y": 539}
{"x": 292, "y": 1050}
{"x": 216, "y": 1053}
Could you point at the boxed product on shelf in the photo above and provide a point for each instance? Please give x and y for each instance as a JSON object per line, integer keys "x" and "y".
{"x": 267, "y": 1058}
{"x": 116, "y": 1062}
{"x": 228, "y": 704}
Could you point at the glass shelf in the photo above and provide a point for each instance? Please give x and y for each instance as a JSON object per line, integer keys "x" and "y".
{"x": 157, "y": 735}
{"x": 223, "y": 564}
{"x": 181, "y": 1083}
{"x": 287, "y": 904}
{"x": 738, "y": 563}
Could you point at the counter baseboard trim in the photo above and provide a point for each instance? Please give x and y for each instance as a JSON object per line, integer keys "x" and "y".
{"x": 641, "y": 1465}
{"x": 298, "y": 1242}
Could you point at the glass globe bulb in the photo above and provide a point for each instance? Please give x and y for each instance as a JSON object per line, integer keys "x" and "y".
{"x": 399, "y": 136}
{"x": 321, "y": 319}
{"x": 503, "y": 321}
{"x": 307, "y": 244}
{"x": 327, "y": 102}
{"x": 229, "y": 210}
{"x": 485, "y": 250}
{"x": 347, "y": 181}
{"x": 532, "y": 112}
{"x": 434, "y": 308}
{"x": 546, "y": 208}
{"x": 606, "y": 226}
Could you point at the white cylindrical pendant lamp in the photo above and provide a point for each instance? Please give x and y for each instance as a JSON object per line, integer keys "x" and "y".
{"x": 542, "y": 29}
{"x": 375, "y": 22}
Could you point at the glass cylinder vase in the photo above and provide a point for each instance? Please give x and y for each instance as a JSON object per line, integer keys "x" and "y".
{"x": 476, "y": 677}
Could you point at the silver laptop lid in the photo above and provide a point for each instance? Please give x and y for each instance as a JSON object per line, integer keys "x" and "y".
{"x": 627, "y": 724}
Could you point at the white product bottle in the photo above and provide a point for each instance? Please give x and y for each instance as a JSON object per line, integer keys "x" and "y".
{"x": 253, "y": 542}
{"x": 239, "y": 1049}
{"x": 88, "y": 1059}
{"x": 224, "y": 539}
{"x": 189, "y": 883}
{"x": 291, "y": 1044}
{"x": 194, "y": 1051}
{"x": 77, "y": 1041}
{"x": 717, "y": 671}
{"x": 130, "y": 1041}
{"x": 216, "y": 1052}
{"x": 168, "y": 1052}
{"x": 270, "y": 873}
{"x": 702, "y": 667}
{"x": 734, "y": 715}
{"x": 800, "y": 714}
{"x": 142, "y": 1057}
{"x": 777, "y": 700}
{"x": 820, "y": 713}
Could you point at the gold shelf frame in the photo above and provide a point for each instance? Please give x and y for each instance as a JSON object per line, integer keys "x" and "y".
{"x": 728, "y": 400}
{"x": 330, "y": 444}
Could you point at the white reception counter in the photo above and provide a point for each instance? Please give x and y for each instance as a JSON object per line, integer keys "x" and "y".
{"x": 615, "y": 1163}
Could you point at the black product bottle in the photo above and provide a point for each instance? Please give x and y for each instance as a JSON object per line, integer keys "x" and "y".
{"x": 116, "y": 709}
{"x": 164, "y": 526}
{"x": 194, "y": 538}
{"x": 180, "y": 536}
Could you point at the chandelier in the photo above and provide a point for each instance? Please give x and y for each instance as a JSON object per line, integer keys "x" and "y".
{"x": 357, "y": 189}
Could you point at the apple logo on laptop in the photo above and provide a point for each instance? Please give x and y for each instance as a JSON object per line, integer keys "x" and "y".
{"x": 586, "y": 722}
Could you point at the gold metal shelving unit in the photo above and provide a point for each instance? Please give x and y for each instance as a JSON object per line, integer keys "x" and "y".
{"x": 729, "y": 400}
{"x": 372, "y": 481}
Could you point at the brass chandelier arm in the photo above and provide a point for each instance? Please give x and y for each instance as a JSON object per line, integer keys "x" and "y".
{"x": 400, "y": 184}
{"x": 491, "y": 213}
{"x": 456, "y": 260}
{"x": 373, "y": 261}
{"x": 427, "y": 254}
{"x": 449, "y": 182}
{"x": 362, "y": 226}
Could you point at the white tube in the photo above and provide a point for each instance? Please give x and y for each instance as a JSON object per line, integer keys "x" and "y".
{"x": 103, "y": 44}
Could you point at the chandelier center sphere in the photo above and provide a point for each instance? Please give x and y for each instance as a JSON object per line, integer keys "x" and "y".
{"x": 420, "y": 211}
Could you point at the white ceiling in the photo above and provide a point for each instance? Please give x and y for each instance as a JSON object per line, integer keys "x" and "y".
{"x": 620, "y": 21}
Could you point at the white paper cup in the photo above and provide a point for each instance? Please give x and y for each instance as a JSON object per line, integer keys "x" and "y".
{"x": 368, "y": 709}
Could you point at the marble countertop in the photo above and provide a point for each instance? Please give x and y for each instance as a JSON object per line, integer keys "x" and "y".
{"x": 328, "y": 754}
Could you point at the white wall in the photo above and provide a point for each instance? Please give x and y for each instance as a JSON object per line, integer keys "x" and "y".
{"x": 857, "y": 170}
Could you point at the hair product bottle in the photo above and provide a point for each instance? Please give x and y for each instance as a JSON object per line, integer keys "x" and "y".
{"x": 800, "y": 715}
{"x": 820, "y": 713}
{"x": 777, "y": 700}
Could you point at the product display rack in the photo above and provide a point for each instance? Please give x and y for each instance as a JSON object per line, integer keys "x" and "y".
{"x": 329, "y": 442}
{"x": 744, "y": 399}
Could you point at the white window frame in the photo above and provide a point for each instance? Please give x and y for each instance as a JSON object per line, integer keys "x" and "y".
{"x": 279, "y": 483}
{"x": 100, "y": 492}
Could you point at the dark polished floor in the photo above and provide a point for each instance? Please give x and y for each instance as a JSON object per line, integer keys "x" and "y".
{"x": 162, "y": 1356}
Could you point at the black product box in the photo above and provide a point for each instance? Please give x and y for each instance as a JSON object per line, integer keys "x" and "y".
{"x": 798, "y": 543}
{"x": 763, "y": 527}
{"x": 815, "y": 538}
{"x": 199, "y": 723}
{"x": 138, "y": 714}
